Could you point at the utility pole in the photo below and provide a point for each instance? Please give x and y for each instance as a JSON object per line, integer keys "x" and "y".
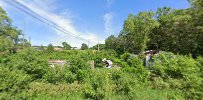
{"x": 24, "y": 34}
{"x": 30, "y": 41}
{"x": 88, "y": 43}
{"x": 98, "y": 46}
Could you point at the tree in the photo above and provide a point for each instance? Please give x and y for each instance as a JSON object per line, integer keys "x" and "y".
{"x": 8, "y": 34}
{"x": 197, "y": 19}
{"x": 23, "y": 43}
{"x": 198, "y": 4}
{"x": 66, "y": 46}
{"x": 116, "y": 43}
{"x": 84, "y": 46}
{"x": 160, "y": 34}
{"x": 137, "y": 28}
{"x": 177, "y": 32}
{"x": 50, "y": 48}
{"x": 110, "y": 42}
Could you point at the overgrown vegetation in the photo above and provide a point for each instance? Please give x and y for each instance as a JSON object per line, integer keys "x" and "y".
{"x": 26, "y": 74}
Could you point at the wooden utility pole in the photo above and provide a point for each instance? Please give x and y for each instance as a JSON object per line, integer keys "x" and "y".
{"x": 30, "y": 41}
{"x": 24, "y": 33}
{"x": 88, "y": 43}
{"x": 98, "y": 46}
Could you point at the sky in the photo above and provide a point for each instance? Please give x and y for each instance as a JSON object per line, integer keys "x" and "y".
{"x": 91, "y": 20}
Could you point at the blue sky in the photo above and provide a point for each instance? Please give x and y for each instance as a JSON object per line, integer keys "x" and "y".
{"x": 92, "y": 20}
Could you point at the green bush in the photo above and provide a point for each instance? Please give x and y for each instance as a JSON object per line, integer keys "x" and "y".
{"x": 59, "y": 75}
{"x": 98, "y": 85}
{"x": 13, "y": 83}
{"x": 180, "y": 72}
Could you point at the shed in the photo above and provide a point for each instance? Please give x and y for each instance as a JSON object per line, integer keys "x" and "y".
{"x": 54, "y": 63}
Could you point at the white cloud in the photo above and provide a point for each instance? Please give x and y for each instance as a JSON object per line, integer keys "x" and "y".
{"x": 108, "y": 26}
{"x": 47, "y": 9}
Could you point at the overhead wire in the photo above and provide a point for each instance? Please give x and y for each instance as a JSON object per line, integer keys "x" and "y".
{"x": 37, "y": 16}
{"x": 41, "y": 16}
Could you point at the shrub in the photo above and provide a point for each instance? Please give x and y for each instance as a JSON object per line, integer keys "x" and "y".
{"x": 76, "y": 64}
{"x": 29, "y": 62}
{"x": 180, "y": 72}
{"x": 59, "y": 75}
{"x": 13, "y": 84}
{"x": 98, "y": 85}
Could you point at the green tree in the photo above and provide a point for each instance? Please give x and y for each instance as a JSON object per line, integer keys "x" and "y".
{"x": 197, "y": 4}
{"x": 177, "y": 32}
{"x": 159, "y": 35}
{"x": 66, "y": 46}
{"x": 137, "y": 28}
{"x": 110, "y": 42}
{"x": 23, "y": 43}
{"x": 9, "y": 35}
{"x": 117, "y": 43}
{"x": 50, "y": 48}
{"x": 197, "y": 19}
{"x": 84, "y": 46}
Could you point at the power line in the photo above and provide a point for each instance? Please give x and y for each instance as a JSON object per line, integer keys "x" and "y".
{"x": 42, "y": 19}
{"x": 35, "y": 17}
{"x": 33, "y": 12}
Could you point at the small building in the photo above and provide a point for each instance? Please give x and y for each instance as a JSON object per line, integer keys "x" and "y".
{"x": 58, "y": 49}
{"x": 54, "y": 63}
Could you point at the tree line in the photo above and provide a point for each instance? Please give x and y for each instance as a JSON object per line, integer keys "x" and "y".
{"x": 179, "y": 31}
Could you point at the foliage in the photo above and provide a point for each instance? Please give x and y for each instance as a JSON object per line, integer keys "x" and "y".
{"x": 110, "y": 42}
{"x": 59, "y": 75}
{"x": 13, "y": 83}
{"x": 98, "y": 85}
{"x": 84, "y": 46}
{"x": 178, "y": 76}
{"x": 27, "y": 74}
{"x": 50, "y": 48}
{"x": 66, "y": 46}
{"x": 178, "y": 31}
{"x": 138, "y": 28}
{"x": 40, "y": 90}
{"x": 9, "y": 35}
{"x": 180, "y": 72}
